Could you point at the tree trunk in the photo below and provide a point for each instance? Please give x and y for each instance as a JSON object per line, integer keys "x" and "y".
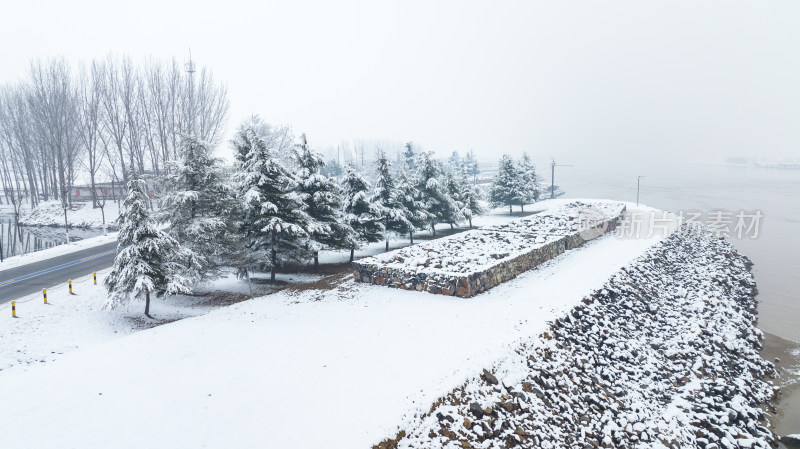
{"x": 387, "y": 244}
{"x": 433, "y": 229}
{"x": 470, "y": 222}
{"x": 510, "y": 211}
{"x": 19, "y": 232}
{"x": 411, "y": 236}
{"x": 147, "y": 304}
{"x": 94, "y": 192}
{"x": 274, "y": 258}
{"x": 66, "y": 224}
{"x": 316, "y": 261}
{"x": 352, "y": 252}
{"x": 522, "y": 206}
{"x": 451, "y": 226}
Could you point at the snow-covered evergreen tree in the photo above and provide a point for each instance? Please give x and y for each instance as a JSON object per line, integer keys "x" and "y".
{"x": 470, "y": 197}
{"x": 506, "y": 186}
{"x": 411, "y": 200}
{"x": 323, "y": 203}
{"x": 391, "y": 210}
{"x": 471, "y": 166}
{"x": 197, "y": 208}
{"x": 528, "y": 185}
{"x": 273, "y": 221}
{"x": 456, "y": 193}
{"x": 454, "y": 162}
{"x": 410, "y": 157}
{"x": 359, "y": 211}
{"x": 440, "y": 207}
{"x": 332, "y": 169}
{"x": 148, "y": 260}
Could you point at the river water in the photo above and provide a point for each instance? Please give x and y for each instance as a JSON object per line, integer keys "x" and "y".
{"x": 775, "y": 252}
{"x": 36, "y": 238}
{"x": 706, "y": 187}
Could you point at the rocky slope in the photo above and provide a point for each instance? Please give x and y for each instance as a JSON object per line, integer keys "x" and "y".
{"x": 666, "y": 355}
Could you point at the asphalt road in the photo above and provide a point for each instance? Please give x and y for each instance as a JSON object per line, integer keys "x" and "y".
{"x": 18, "y": 282}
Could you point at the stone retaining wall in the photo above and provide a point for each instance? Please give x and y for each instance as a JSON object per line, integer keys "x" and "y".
{"x": 467, "y": 285}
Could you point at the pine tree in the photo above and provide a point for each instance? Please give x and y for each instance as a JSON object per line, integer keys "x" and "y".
{"x": 197, "y": 208}
{"x": 360, "y": 213}
{"x": 454, "y": 163}
{"x": 456, "y": 193}
{"x": 148, "y": 260}
{"x": 332, "y": 169}
{"x": 470, "y": 198}
{"x": 411, "y": 200}
{"x": 274, "y": 222}
{"x": 438, "y": 204}
{"x": 471, "y": 166}
{"x": 410, "y": 157}
{"x": 323, "y": 203}
{"x": 391, "y": 210}
{"x": 505, "y": 190}
{"x": 528, "y": 185}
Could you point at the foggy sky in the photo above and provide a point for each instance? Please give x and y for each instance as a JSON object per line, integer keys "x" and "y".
{"x": 574, "y": 80}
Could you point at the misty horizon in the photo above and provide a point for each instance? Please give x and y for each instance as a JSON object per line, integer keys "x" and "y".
{"x": 684, "y": 81}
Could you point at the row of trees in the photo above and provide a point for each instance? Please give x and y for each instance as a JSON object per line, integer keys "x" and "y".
{"x": 275, "y": 207}
{"x": 105, "y": 120}
{"x": 515, "y": 184}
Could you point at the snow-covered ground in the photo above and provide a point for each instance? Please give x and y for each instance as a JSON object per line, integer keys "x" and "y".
{"x": 60, "y": 250}
{"x": 479, "y": 250}
{"x": 43, "y": 332}
{"x": 665, "y": 355}
{"x": 50, "y": 213}
{"x": 494, "y": 217}
{"x": 82, "y": 215}
{"x": 339, "y": 367}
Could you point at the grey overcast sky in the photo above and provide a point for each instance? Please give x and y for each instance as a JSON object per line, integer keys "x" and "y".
{"x": 697, "y": 80}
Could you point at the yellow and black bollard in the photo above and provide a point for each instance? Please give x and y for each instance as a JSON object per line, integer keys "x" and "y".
{"x": 13, "y": 309}
{"x": 95, "y": 278}
{"x": 44, "y": 293}
{"x": 70, "y": 287}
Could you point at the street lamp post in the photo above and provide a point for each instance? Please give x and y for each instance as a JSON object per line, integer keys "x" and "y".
{"x": 638, "y": 180}
{"x": 553, "y": 166}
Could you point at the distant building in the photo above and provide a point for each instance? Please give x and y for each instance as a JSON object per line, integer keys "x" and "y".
{"x": 109, "y": 191}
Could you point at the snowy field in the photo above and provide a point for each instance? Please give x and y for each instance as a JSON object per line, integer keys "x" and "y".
{"x": 338, "y": 367}
{"x": 82, "y": 215}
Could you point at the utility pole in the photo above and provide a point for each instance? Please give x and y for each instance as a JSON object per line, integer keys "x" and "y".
{"x": 553, "y": 166}
{"x": 638, "y": 180}
{"x": 190, "y": 70}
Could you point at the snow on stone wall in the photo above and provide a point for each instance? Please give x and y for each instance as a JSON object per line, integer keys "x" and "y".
{"x": 665, "y": 355}
{"x": 474, "y": 261}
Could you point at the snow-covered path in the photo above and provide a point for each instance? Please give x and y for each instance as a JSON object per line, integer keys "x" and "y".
{"x": 288, "y": 370}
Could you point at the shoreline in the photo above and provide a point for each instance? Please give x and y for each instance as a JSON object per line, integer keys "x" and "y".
{"x": 785, "y": 414}
{"x": 685, "y": 369}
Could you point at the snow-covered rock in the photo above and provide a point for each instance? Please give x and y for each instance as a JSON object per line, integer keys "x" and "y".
{"x": 665, "y": 355}
{"x": 475, "y": 261}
